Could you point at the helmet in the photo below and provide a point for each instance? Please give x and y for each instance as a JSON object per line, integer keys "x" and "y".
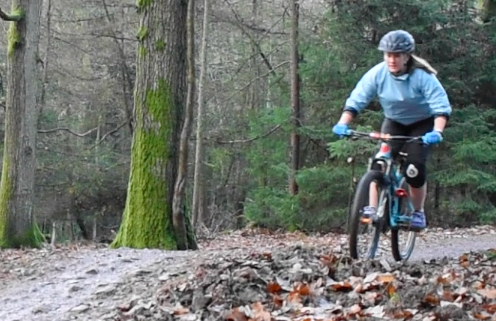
{"x": 399, "y": 41}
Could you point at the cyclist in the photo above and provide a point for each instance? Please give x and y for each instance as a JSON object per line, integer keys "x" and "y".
{"x": 414, "y": 103}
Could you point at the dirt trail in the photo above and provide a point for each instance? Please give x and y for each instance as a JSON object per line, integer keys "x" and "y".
{"x": 46, "y": 287}
{"x": 83, "y": 284}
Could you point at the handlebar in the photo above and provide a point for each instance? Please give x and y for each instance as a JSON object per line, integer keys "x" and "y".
{"x": 381, "y": 136}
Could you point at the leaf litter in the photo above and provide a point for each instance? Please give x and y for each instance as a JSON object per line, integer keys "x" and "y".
{"x": 253, "y": 275}
{"x": 308, "y": 283}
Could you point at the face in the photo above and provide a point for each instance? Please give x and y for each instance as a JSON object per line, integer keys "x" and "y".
{"x": 396, "y": 62}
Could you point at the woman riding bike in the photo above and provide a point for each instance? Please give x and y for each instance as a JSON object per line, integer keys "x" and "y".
{"x": 414, "y": 104}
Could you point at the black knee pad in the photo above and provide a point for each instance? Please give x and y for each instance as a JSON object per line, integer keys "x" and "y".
{"x": 414, "y": 173}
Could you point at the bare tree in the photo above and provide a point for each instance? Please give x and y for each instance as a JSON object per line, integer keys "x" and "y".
{"x": 198, "y": 176}
{"x": 17, "y": 225}
{"x": 295, "y": 99}
{"x": 178, "y": 212}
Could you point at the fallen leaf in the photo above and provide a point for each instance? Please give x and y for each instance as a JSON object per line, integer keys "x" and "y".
{"x": 431, "y": 299}
{"x": 354, "y": 309}
{"x": 385, "y": 278}
{"x": 448, "y": 296}
{"x": 277, "y": 300}
{"x": 482, "y": 315}
{"x": 181, "y": 310}
{"x": 342, "y": 286}
{"x": 273, "y": 287}
{"x": 259, "y": 312}
{"x": 391, "y": 290}
{"x": 491, "y": 308}
{"x": 403, "y": 314}
{"x": 236, "y": 315}
{"x": 302, "y": 289}
{"x": 294, "y": 297}
{"x": 488, "y": 293}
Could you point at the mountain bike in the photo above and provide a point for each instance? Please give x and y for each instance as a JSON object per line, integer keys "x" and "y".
{"x": 393, "y": 207}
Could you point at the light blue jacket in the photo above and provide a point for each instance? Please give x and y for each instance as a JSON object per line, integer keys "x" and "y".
{"x": 406, "y": 99}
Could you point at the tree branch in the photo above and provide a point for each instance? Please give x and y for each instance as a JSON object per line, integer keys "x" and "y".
{"x": 58, "y": 129}
{"x": 16, "y": 16}
{"x": 242, "y": 141}
{"x": 115, "y": 130}
{"x": 254, "y": 79}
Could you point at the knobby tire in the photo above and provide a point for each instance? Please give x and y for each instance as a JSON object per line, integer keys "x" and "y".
{"x": 395, "y": 239}
{"x": 360, "y": 200}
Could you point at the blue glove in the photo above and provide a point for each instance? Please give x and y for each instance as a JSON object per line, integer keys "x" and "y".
{"x": 340, "y": 129}
{"x": 433, "y": 137}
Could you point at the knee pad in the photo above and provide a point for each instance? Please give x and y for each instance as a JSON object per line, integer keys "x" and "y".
{"x": 414, "y": 174}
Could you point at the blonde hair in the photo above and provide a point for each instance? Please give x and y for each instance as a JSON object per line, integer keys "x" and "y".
{"x": 417, "y": 62}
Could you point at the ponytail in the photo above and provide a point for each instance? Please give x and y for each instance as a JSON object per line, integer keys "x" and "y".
{"x": 417, "y": 62}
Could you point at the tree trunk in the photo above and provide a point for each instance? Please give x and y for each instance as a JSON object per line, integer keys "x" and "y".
{"x": 158, "y": 103}
{"x": 17, "y": 224}
{"x": 198, "y": 184}
{"x": 178, "y": 206}
{"x": 488, "y": 9}
{"x": 295, "y": 100}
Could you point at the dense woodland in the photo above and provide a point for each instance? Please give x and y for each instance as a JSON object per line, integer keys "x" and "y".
{"x": 88, "y": 53}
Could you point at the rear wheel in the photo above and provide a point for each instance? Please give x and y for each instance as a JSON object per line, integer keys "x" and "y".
{"x": 402, "y": 239}
{"x": 357, "y": 227}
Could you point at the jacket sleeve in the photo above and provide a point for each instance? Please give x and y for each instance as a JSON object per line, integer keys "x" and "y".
{"x": 362, "y": 94}
{"x": 435, "y": 95}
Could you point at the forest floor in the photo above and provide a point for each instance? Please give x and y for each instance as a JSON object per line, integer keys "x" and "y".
{"x": 254, "y": 275}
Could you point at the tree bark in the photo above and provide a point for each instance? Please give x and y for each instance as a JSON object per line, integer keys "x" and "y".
{"x": 159, "y": 98}
{"x": 198, "y": 175}
{"x": 488, "y": 10}
{"x": 17, "y": 224}
{"x": 295, "y": 100}
{"x": 178, "y": 205}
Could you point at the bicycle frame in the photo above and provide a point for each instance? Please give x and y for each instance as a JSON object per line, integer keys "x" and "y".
{"x": 392, "y": 176}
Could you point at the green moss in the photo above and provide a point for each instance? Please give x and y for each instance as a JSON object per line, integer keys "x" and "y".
{"x": 143, "y": 3}
{"x": 5, "y": 195}
{"x": 141, "y": 51}
{"x": 147, "y": 216}
{"x": 142, "y": 33}
{"x": 160, "y": 45}
{"x": 13, "y": 34}
{"x": 32, "y": 238}
{"x": 13, "y": 38}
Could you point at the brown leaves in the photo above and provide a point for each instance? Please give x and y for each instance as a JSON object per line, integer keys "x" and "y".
{"x": 236, "y": 315}
{"x": 376, "y": 294}
{"x": 342, "y": 286}
{"x": 301, "y": 283}
{"x": 256, "y": 313}
{"x": 488, "y": 293}
{"x": 273, "y": 287}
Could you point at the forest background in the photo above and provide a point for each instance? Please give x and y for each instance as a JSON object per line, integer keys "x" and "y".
{"x": 88, "y": 51}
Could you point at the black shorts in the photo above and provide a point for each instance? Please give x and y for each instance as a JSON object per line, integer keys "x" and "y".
{"x": 417, "y": 152}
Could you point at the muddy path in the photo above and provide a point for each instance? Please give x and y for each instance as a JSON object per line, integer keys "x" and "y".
{"x": 87, "y": 283}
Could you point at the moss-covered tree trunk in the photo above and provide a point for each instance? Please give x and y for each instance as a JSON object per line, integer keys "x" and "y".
{"x": 159, "y": 99}
{"x": 17, "y": 224}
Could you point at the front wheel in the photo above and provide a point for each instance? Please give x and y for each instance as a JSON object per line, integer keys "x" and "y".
{"x": 404, "y": 236}
{"x": 356, "y": 225}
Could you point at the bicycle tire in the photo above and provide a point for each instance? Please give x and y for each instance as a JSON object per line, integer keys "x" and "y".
{"x": 395, "y": 248}
{"x": 359, "y": 201}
